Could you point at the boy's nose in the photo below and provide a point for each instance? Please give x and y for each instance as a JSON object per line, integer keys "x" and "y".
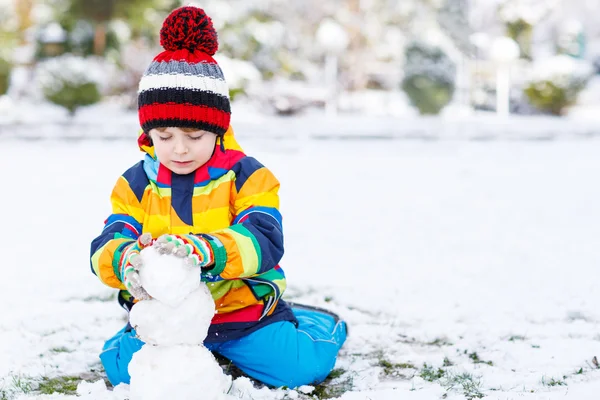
{"x": 180, "y": 147}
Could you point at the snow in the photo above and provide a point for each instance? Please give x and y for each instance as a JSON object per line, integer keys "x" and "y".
{"x": 53, "y": 33}
{"x": 387, "y": 116}
{"x": 160, "y": 273}
{"x": 187, "y": 323}
{"x": 429, "y": 249}
{"x": 332, "y": 36}
{"x": 561, "y": 70}
{"x": 57, "y": 72}
{"x": 530, "y": 11}
{"x": 238, "y": 73}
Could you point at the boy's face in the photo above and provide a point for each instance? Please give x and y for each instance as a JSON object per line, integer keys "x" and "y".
{"x": 183, "y": 150}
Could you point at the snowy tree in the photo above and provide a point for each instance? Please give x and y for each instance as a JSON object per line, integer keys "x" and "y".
{"x": 5, "y": 69}
{"x": 70, "y": 81}
{"x": 555, "y": 83}
{"x": 453, "y": 17}
{"x": 8, "y": 28}
{"x": 520, "y": 17}
{"x": 429, "y": 77}
{"x": 8, "y": 38}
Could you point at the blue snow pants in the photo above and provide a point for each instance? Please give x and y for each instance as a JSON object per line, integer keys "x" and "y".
{"x": 278, "y": 354}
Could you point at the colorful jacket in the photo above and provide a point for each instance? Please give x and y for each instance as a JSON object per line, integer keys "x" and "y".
{"x": 234, "y": 200}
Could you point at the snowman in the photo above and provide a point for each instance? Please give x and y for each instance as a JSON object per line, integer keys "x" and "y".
{"x": 173, "y": 363}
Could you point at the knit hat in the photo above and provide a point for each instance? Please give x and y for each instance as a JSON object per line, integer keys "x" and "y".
{"x": 183, "y": 86}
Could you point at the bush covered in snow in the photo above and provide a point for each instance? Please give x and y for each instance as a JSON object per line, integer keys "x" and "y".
{"x": 520, "y": 18}
{"x": 5, "y": 68}
{"x": 70, "y": 81}
{"x": 556, "y": 83}
{"x": 239, "y": 75}
{"x": 429, "y": 76}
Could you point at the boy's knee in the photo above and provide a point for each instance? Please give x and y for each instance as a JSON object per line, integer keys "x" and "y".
{"x": 310, "y": 370}
{"x": 298, "y": 375}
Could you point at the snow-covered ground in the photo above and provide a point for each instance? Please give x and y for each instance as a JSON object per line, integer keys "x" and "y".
{"x": 464, "y": 269}
{"x": 110, "y": 121}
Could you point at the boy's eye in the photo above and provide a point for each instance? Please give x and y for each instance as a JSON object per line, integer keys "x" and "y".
{"x": 164, "y": 139}
{"x": 196, "y": 137}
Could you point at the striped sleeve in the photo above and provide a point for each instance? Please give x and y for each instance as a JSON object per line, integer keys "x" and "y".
{"x": 121, "y": 228}
{"x": 253, "y": 244}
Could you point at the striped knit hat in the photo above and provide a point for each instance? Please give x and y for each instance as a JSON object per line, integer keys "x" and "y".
{"x": 184, "y": 87}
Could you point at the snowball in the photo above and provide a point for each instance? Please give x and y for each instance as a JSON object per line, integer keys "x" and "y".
{"x": 158, "y": 323}
{"x": 166, "y": 277}
{"x": 176, "y": 372}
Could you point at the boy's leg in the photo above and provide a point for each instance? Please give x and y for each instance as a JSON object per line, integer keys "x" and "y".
{"x": 117, "y": 353}
{"x": 280, "y": 354}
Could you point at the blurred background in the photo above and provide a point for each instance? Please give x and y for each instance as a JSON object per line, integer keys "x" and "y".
{"x": 332, "y": 58}
{"x": 438, "y": 161}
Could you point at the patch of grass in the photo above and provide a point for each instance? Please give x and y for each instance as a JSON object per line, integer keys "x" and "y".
{"x": 389, "y": 368}
{"x": 330, "y": 390}
{"x": 22, "y": 384}
{"x": 439, "y": 342}
{"x": 430, "y": 374}
{"x": 328, "y": 299}
{"x": 101, "y": 299}
{"x": 579, "y": 371}
{"x": 476, "y": 360}
{"x": 554, "y": 382}
{"x": 61, "y": 349}
{"x": 515, "y": 338}
{"x": 393, "y": 369}
{"x": 61, "y": 384}
{"x": 447, "y": 362}
{"x": 467, "y": 383}
{"x": 336, "y": 373}
{"x": 95, "y": 373}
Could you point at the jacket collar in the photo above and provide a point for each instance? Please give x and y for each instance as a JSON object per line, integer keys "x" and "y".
{"x": 227, "y": 153}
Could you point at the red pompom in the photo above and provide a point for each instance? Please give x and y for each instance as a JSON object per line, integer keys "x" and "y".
{"x": 189, "y": 28}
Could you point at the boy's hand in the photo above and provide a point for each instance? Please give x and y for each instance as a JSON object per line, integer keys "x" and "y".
{"x": 131, "y": 264}
{"x": 195, "y": 249}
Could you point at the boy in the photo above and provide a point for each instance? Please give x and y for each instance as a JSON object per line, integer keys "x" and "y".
{"x": 196, "y": 189}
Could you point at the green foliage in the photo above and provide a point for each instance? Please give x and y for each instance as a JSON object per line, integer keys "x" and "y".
{"x": 554, "y": 382}
{"x": 5, "y": 68}
{"x": 552, "y": 98}
{"x": 476, "y": 360}
{"x": 431, "y": 374}
{"x": 521, "y": 32}
{"x": 235, "y": 93}
{"x": 429, "y": 76}
{"x": 333, "y": 386}
{"x": 515, "y": 338}
{"x": 93, "y": 10}
{"x": 62, "y": 384}
{"x": 22, "y": 384}
{"x": 72, "y": 95}
{"x": 70, "y": 81}
{"x": 61, "y": 349}
{"x": 467, "y": 383}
